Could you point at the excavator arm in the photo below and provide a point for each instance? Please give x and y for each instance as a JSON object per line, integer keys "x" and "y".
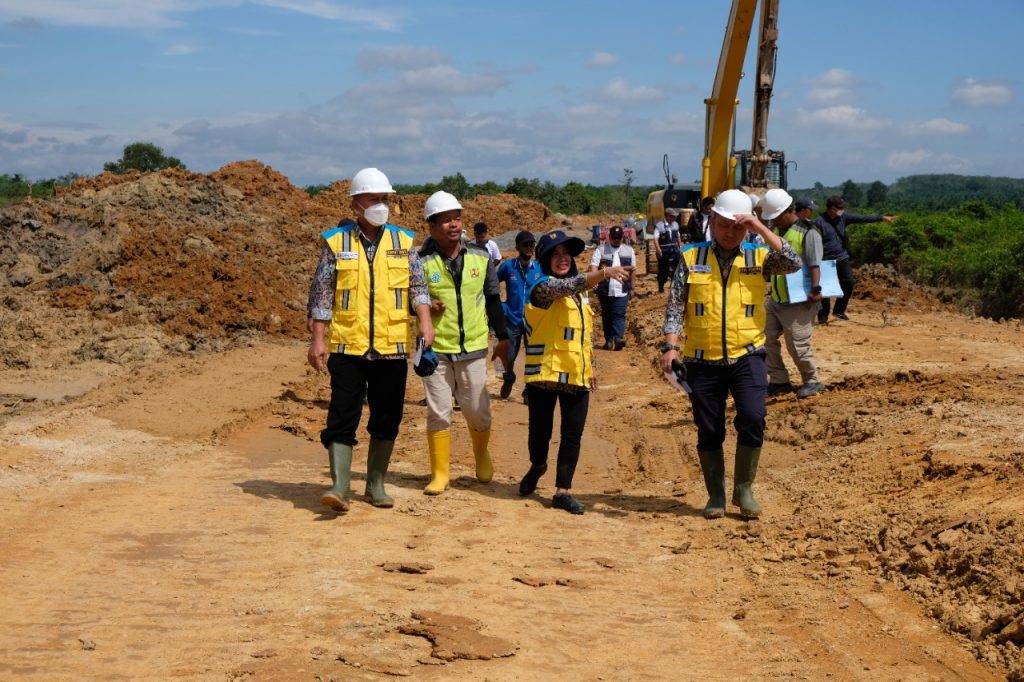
{"x": 767, "y": 52}
{"x": 719, "y": 165}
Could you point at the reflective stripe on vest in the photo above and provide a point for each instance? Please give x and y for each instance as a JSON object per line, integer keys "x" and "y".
{"x": 558, "y": 342}
{"x": 795, "y": 236}
{"x": 724, "y": 319}
{"x": 371, "y": 301}
{"x": 462, "y": 327}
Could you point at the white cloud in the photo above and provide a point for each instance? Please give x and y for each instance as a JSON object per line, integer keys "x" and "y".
{"x": 181, "y": 50}
{"x": 834, "y": 78}
{"x": 972, "y": 92}
{"x": 834, "y": 86}
{"x": 939, "y": 126}
{"x": 678, "y": 122}
{"x": 158, "y": 14}
{"x": 620, "y": 89}
{"x": 924, "y": 159}
{"x": 399, "y": 57}
{"x": 841, "y": 117}
{"x": 829, "y": 95}
{"x": 602, "y": 60}
{"x": 678, "y": 59}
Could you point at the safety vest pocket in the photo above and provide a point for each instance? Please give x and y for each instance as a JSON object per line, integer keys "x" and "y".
{"x": 398, "y": 273}
{"x": 348, "y": 273}
{"x": 398, "y": 326}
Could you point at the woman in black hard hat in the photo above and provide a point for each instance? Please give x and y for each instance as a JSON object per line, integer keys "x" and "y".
{"x": 559, "y": 363}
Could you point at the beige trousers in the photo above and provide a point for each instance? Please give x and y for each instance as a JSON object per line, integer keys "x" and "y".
{"x": 468, "y": 380}
{"x": 795, "y": 321}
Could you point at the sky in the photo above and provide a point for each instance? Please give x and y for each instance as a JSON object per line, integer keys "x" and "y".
{"x": 554, "y": 90}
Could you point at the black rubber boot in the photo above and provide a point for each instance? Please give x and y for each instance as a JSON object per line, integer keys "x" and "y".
{"x": 377, "y": 462}
{"x": 743, "y": 481}
{"x": 567, "y": 502}
{"x": 712, "y": 464}
{"x": 529, "y": 483}
{"x": 340, "y": 456}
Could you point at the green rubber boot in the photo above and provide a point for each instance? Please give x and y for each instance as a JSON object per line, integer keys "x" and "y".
{"x": 376, "y": 466}
{"x": 743, "y": 481}
{"x": 337, "y": 498}
{"x": 712, "y": 464}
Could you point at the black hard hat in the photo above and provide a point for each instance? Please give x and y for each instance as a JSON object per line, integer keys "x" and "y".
{"x": 804, "y": 203}
{"x": 525, "y": 237}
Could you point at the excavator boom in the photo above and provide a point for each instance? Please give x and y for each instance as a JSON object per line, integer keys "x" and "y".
{"x": 767, "y": 52}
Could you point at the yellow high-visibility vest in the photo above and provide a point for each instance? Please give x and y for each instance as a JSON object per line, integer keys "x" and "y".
{"x": 462, "y": 327}
{"x": 558, "y": 342}
{"x": 371, "y": 301}
{"x": 724, "y": 320}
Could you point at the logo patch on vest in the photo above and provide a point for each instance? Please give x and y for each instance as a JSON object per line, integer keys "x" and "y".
{"x": 474, "y": 273}
{"x": 395, "y": 253}
{"x": 347, "y": 255}
{"x": 435, "y": 277}
{"x": 702, "y": 268}
{"x": 750, "y": 271}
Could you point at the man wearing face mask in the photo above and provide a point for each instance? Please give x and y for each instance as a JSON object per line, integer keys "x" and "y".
{"x": 365, "y": 284}
{"x": 836, "y": 242}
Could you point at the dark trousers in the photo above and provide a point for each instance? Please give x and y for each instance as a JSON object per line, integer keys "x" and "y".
{"x": 666, "y": 269}
{"x": 352, "y": 377}
{"x": 515, "y": 341}
{"x": 613, "y": 316}
{"x": 844, "y": 270}
{"x": 542, "y": 414}
{"x": 747, "y": 380}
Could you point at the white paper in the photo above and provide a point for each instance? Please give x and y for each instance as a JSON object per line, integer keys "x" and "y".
{"x": 419, "y": 352}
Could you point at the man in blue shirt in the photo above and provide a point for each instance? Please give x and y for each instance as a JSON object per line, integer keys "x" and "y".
{"x": 517, "y": 274}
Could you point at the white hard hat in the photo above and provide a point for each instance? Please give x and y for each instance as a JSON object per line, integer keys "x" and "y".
{"x": 731, "y": 203}
{"x": 774, "y": 203}
{"x": 370, "y": 181}
{"x": 439, "y": 202}
{"x": 754, "y": 199}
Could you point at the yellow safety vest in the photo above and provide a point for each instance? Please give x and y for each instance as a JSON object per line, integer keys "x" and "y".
{"x": 462, "y": 327}
{"x": 558, "y": 342}
{"x": 371, "y": 301}
{"x": 724, "y": 320}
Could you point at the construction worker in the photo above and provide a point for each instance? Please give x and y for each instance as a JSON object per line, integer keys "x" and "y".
{"x": 463, "y": 288}
{"x": 559, "y": 363}
{"x": 613, "y": 295}
{"x": 667, "y": 241}
{"x": 482, "y": 239}
{"x": 718, "y": 296}
{"x": 365, "y": 283}
{"x": 832, "y": 224}
{"x": 795, "y": 321}
{"x": 517, "y": 274}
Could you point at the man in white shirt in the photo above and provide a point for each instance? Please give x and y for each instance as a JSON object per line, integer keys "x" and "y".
{"x": 667, "y": 241}
{"x": 480, "y": 236}
{"x": 614, "y": 296}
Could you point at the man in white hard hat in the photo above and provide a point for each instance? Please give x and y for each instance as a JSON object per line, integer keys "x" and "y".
{"x": 465, "y": 301}
{"x": 793, "y": 320}
{"x": 366, "y": 282}
{"x": 718, "y": 295}
{"x": 667, "y": 241}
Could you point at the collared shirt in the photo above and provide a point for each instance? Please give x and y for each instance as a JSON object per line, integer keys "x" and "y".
{"x": 543, "y": 295}
{"x": 517, "y": 279}
{"x": 616, "y": 253}
{"x": 454, "y": 265}
{"x": 775, "y": 263}
{"x": 320, "y": 304}
{"x": 492, "y": 249}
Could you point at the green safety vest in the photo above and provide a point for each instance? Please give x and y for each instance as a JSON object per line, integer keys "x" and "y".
{"x": 795, "y": 236}
{"x": 462, "y": 327}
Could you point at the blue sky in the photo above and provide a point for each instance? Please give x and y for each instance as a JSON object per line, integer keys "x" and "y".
{"x": 556, "y": 90}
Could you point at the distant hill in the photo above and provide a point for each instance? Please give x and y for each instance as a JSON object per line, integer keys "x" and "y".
{"x": 927, "y": 192}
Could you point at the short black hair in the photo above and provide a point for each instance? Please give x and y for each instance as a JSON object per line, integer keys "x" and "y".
{"x": 479, "y": 228}
{"x": 707, "y": 201}
{"x": 835, "y": 201}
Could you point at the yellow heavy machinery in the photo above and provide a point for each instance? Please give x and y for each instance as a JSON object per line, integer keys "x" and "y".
{"x": 759, "y": 167}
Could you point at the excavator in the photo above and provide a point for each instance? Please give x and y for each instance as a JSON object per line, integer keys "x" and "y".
{"x": 760, "y": 168}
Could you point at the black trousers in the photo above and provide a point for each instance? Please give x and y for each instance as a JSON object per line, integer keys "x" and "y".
{"x": 666, "y": 269}
{"x": 844, "y": 270}
{"x": 352, "y": 377}
{"x": 747, "y": 380}
{"x": 574, "y": 407}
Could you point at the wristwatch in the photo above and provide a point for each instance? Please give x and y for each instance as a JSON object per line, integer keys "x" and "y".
{"x": 816, "y": 290}
{"x": 666, "y": 347}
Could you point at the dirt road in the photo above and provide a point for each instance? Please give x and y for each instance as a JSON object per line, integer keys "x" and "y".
{"x": 166, "y": 523}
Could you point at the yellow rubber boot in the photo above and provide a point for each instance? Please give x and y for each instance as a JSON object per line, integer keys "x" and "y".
{"x": 484, "y": 467}
{"x": 440, "y": 446}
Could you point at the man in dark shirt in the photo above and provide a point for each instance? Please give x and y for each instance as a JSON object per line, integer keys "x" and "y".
{"x": 836, "y": 245}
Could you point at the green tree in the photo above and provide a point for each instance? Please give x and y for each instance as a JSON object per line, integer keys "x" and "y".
{"x": 574, "y": 199}
{"x": 455, "y": 184}
{"x": 142, "y": 156}
{"x": 852, "y": 193}
{"x": 877, "y": 193}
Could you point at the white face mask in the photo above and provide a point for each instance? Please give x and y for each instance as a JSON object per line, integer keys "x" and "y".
{"x": 377, "y": 214}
